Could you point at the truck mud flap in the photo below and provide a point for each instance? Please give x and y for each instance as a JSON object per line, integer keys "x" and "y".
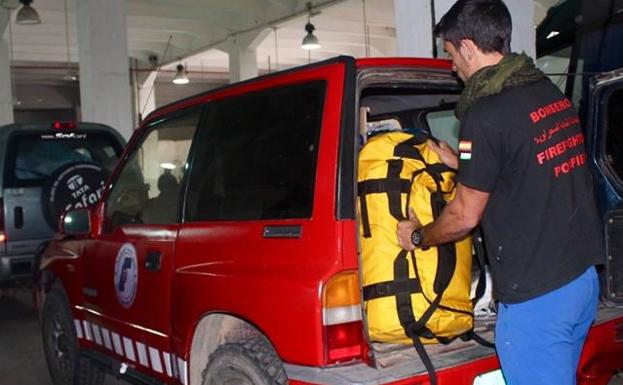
{"x": 614, "y": 257}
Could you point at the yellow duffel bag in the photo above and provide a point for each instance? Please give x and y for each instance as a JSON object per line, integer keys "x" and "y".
{"x": 410, "y": 297}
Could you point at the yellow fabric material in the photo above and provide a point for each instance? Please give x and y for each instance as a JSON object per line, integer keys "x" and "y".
{"x": 381, "y": 249}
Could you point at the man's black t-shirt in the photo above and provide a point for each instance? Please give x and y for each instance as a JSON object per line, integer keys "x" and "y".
{"x": 525, "y": 147}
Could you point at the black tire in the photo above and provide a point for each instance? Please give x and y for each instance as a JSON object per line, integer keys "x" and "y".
{"x": 248, "y": 362}
{"x": 57, "y": 195}
{"x": 60, "y": 345}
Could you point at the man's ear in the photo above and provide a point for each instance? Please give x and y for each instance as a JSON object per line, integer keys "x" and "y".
{"x": 468, "y": 49}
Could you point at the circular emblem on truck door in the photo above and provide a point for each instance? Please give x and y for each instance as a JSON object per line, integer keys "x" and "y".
{"x": 126, "y": 275}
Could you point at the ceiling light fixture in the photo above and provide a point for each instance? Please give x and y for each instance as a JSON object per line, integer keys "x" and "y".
{"x": 310, "y": 41}
{"x": 168, "y": 166}
{"x": 181, "y": 77}
{"x": 27, "y": 15}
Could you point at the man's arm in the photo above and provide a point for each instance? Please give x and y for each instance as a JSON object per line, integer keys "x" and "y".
{"x": 457, "y": 219}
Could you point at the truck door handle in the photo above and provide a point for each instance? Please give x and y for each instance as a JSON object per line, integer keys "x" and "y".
{"x": 153, "y": 260}
{"x": 282, "y": 231}
{"x": 18, "y": 217}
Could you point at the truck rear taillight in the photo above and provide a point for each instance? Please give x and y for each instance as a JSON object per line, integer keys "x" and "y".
{"x": 341, "y": 317}
{"x": 64, "y": 125}
{"x": 344, "y": 341}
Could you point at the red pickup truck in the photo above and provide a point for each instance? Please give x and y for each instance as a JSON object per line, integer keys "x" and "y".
{"x": 225, "y": 248}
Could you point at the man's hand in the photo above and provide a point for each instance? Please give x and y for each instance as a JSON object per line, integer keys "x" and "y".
{"x": 445, "y": 152}
{"x": 405, "y": 228}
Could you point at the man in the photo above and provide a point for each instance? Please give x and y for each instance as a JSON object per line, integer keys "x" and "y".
{"x": 522, "y": 174}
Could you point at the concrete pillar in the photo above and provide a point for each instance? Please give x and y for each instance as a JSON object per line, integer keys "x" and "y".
{"x": 5, "y": 17}
{"x": 413, "y": 28}
{"x": 104, "y": 65}
{"x": 414, "y": 25}
{"x": 6, "y": 91}
{"x": 243, "y": 54}
{"x": 242, "y": 63}
{"x": 441, "y": 7}
{"x": 524, "y": 33}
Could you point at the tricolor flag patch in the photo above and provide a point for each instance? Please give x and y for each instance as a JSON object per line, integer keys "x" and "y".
{"x": 465, "y": 150}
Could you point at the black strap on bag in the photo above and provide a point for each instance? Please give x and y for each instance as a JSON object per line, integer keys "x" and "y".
{"x": 394, "y": 167}
{"x": 471, "y": 335}
{"x": 447, "y": 261}
{"x": 480, "y": 286}
{"x": 448, "y": 251}
{"x": 416, "y": 328}
{"x": 413, "y": 328}
{"x": 443, "y": 276}
{"x": 392, "y": 185}
{"x": 390, "y": 288}
{"x": 480, "y": 257}
{"x": 375, "y": 186}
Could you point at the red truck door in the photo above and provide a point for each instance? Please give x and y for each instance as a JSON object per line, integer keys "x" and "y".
{"x": 260, "y": 230}
{"x": 128, "y": 265}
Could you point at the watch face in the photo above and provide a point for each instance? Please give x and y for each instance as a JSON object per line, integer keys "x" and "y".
{"x": 416, "y": 237}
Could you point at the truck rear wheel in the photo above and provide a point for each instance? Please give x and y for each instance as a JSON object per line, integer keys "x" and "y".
{"x": 60, "y": 345}
{"x": 248, "y": 362}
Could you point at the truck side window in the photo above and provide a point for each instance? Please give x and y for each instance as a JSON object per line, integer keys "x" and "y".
{"x": 256, "y": 156}
{"x": 147, "y": 189}
{"x": 614, "y": 132}
{"x": 444, "y": 126}
{"x": 556, "y": 65}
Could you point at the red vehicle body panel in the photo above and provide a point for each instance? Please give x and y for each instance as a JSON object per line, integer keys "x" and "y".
{"x": 280, "y": 296}
{"x": 228, "y": 267}
{"x": 403, "y": 62}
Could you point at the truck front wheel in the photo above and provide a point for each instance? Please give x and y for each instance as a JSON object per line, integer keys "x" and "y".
{"x": 60, "y": 345}
{"x": 248, "y": 362}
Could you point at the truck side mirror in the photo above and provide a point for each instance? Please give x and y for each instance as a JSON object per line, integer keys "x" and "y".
{"x": 76, "y": 222}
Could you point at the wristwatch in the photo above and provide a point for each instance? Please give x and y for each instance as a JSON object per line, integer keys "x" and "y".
{"x": 417, "y": 237}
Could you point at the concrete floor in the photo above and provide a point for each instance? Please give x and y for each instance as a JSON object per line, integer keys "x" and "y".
{"x": 21, "y": 354}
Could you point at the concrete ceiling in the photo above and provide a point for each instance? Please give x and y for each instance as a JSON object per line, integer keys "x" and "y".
{"x": 200, "y": 27}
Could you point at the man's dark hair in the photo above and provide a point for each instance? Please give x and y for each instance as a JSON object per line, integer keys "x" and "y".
{"x": 486, "y": 22}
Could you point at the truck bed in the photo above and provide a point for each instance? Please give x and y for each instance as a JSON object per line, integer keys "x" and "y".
{"x": 404, "y": 360}
{"x": 396, "y": 363}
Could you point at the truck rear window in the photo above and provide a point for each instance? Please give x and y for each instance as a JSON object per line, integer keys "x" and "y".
{"x": 33, "y": 157}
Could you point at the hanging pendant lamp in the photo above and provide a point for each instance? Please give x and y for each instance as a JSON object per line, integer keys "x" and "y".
{"x": 180, "y": 76}
{"x": 27, "y": 15}
{"x": 310, "y": 41}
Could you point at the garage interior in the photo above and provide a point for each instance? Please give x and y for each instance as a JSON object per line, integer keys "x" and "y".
{"x": 216, "y": 42}
{"x": 115, "y": 61}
